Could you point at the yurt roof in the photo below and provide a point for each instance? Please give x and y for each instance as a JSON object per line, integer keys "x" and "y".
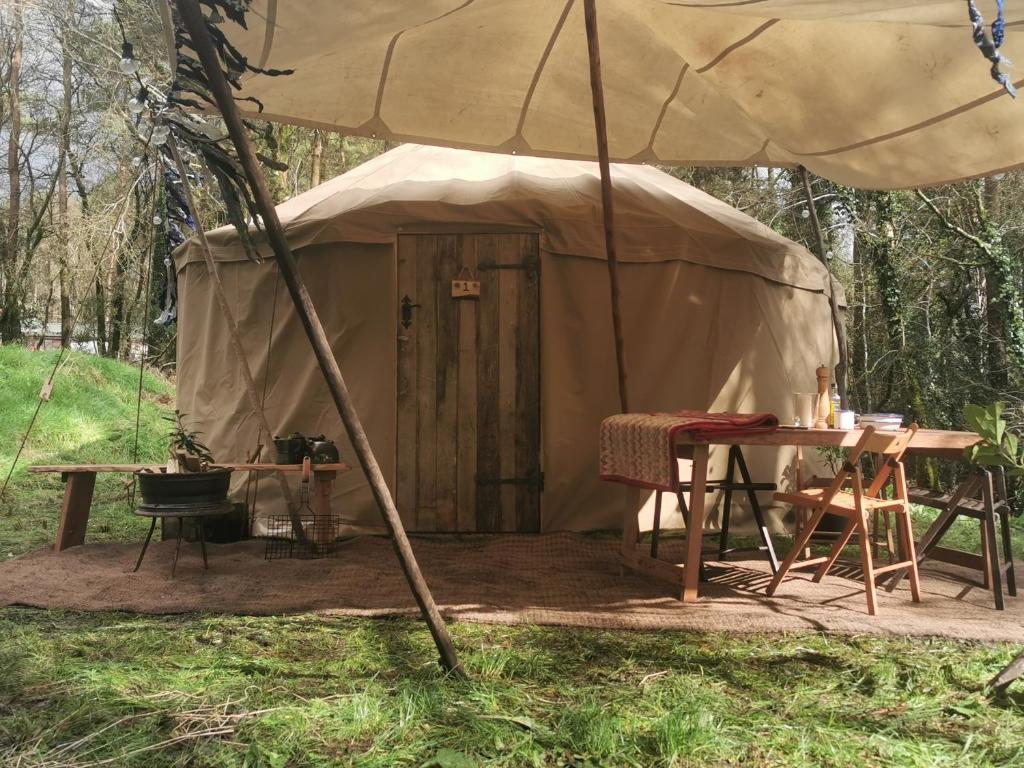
{"x": 412, "y": 187}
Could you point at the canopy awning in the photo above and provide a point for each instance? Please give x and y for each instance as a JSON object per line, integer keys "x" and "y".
{"x": 869, "y": 93}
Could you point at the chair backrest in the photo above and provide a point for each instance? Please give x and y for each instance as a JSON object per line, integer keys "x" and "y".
{"x": 892, "y": 445}
{"x": 887, "y": 443}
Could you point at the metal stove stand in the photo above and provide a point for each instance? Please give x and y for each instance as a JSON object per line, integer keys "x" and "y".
{"x": 181, "y": 511}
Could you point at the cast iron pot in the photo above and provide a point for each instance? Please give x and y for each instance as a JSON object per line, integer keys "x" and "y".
{"x": 185, "y": 487}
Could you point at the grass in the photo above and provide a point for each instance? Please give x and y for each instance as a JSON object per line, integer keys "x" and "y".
{"x": 90, "y": 689}
{"x": 90, "y": 418}
{"x": 238, "y": 691}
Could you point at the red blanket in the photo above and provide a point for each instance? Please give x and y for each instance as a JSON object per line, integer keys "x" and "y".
{"x": 639, "y": 448}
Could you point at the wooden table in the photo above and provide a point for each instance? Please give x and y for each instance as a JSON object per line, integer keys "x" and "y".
{"x": 80, "y": 480}
{"x": 927, "y": 442}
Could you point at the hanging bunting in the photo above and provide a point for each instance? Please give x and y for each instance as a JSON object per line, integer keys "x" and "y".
{"x": 989, "y": 44}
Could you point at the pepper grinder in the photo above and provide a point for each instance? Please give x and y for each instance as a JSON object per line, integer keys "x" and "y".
{"x": 822, "y": 408}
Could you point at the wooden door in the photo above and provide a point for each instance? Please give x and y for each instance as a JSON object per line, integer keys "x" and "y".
{"x": 468, "y": 439}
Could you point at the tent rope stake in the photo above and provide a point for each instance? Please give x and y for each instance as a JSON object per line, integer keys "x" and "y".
{"x": 601, "y": 127}
{"x": 233, "y": 334}
{"x": 195, "y": 24}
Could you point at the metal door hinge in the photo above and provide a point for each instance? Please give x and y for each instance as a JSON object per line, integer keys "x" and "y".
{"x": 485, "y": 266}
{"x": 531, "y": 481}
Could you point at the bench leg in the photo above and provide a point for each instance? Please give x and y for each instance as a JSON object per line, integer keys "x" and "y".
{"x": 991, "y": 549}
{"x": 74, "y": 511}
{"x": 1004, "y": 524}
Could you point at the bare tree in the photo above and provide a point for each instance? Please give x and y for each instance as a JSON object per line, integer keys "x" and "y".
{"x": 10, "y": 313}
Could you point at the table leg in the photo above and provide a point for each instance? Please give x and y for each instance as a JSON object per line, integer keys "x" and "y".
{"x": 656, "y": 527}
{"x": 630, "y": 531}
{"x": 323, "y": 486}
{"x": 695, "y": 525}
{"x": 74, "y": 512}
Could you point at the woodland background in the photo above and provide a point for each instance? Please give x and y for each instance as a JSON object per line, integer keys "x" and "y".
{"x": 933, "y": 278}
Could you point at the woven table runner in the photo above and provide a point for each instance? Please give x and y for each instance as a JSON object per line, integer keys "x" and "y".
{"x": 639, "y": 448}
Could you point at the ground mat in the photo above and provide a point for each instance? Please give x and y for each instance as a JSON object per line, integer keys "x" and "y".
{"x": 556, "y": 579}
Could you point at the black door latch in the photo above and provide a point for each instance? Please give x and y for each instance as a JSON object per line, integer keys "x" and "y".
{"x": 407, "y": 308}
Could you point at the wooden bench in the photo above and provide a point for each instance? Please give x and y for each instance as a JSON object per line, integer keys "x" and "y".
{"x": 991, "y": 509}
{"x": 80, "y": 481}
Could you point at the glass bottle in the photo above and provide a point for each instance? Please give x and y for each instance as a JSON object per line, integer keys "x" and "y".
{"x": 835, "y": 405}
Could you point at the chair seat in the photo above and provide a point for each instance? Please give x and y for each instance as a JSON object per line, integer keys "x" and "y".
{"x": 843, "y": 501}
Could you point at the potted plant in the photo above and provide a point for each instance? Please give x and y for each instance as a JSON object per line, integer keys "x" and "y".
{"x": 999, "y": 446}
{"x": 190, "y": 476}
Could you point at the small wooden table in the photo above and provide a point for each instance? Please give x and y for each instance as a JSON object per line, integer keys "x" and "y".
{"x": 927, "y": 442}
{"x": 80, "y": 480}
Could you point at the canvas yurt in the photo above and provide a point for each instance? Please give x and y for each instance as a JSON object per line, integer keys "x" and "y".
{"x": 466, "y": 298}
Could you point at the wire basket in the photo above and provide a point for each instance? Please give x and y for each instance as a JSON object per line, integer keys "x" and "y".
{"x": 321, "y": 538}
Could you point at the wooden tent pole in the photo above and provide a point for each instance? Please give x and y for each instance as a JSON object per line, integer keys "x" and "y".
{"x": 195, "y": 24}
{"x": 1012, "y": 671}
{"x": 233, "y": 334}
{"x": 601, "y": 127}
{"x": 842, "y": 367}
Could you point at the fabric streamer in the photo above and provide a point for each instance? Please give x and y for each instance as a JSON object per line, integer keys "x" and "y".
{"x": 989, "y": 44}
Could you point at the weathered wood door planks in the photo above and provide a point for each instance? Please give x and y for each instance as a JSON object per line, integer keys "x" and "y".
{"x": 468, "y": 448}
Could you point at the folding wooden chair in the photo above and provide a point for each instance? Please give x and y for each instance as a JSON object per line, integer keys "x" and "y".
{"x": 858, "y": 505}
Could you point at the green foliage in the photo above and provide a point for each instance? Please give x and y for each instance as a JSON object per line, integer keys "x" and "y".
{"x": 999, "y": 445}
{"x": 833, "y": 455}
{"x": 187, "y": 440}
{"x": 90, "y": 419}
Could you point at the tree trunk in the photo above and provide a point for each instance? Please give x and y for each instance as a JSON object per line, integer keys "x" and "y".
{"x": 1003, "y": 312}
{"x": 317, "y": 159}
{"x": 63, "y": 227}
{"x": 10, "y": 314}
{"x": 118, "y": 305}
{"x": 893, "y": 301}
{"x": 890, "y": 289}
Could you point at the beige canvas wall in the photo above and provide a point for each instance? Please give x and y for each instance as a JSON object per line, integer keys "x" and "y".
{"x": 696, "y": 337}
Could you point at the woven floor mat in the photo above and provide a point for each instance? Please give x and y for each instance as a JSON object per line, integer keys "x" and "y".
{"x": 559, "y": 579}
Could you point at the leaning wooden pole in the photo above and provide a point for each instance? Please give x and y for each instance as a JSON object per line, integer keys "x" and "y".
{"x": 234, "y": 337}
{"x": 842, "y": 367}
{"x": 195, "y": 24}
{"x": 601, "y": 127}
{"x": 1012, "y": 671}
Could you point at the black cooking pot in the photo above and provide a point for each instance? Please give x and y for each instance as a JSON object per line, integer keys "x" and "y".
{"x": 291, "y": 449}
{"x": 322, "y": 451}
{"x": 184, "y": 487}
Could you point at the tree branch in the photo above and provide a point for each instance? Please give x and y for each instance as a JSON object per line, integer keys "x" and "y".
{"x": 973, "y": 239}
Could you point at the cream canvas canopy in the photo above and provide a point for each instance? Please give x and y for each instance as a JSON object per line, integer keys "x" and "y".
{"x": 721, "y": 312}
{"x": 869, "y": 93}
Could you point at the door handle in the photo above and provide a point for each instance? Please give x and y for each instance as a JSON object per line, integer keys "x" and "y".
{"x": 407, "y": 308}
